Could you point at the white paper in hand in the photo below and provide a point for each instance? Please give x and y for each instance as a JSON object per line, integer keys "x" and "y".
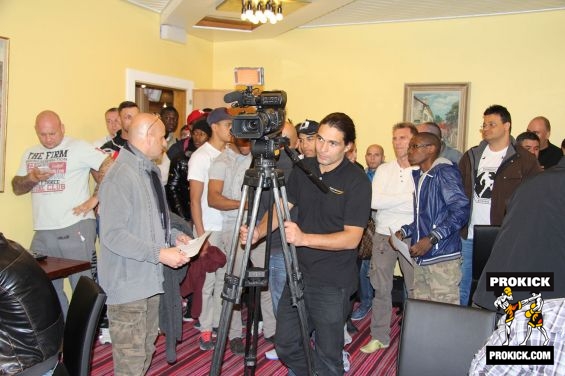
{"x": 401, "y": 247}
{"x": 193, "y": 247}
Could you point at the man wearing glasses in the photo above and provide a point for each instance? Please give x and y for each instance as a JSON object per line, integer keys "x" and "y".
{"x": 491, "y": 173}
{"x": 441, "y": 209}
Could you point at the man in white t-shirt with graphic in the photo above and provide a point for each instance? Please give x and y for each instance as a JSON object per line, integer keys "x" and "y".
{"x": 206, "y": 218}
{"x": 491, "y": 172}
{"x": 56, "y": 173}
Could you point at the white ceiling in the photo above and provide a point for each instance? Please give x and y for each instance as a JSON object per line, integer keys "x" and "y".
{"x": 184, "y": 14}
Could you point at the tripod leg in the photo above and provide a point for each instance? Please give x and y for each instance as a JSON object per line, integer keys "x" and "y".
{"x": 252, "y": 335}
{"x": 294, "y": 276}
{"x": 235, "y": 233}
{"x": 233, "y": 285}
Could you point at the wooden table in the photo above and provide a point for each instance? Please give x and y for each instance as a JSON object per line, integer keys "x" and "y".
{"x": 56, "y": 267}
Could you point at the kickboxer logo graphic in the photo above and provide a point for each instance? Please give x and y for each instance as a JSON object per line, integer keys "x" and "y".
{"x": 533, "y": 313}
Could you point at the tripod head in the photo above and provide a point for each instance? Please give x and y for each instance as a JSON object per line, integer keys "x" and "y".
{"x": 265, "y": 150}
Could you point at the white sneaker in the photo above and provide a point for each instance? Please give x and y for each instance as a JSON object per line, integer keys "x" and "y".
{"x": 346, "y": 363}
{"x": 104, "y": 336}
{"x": 272, "y": 355}
{"x": 346, "y": 336}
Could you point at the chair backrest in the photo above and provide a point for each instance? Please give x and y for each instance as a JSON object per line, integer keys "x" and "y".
{"x": 80, "y": 328}
{"x": 483, "y": 241}
{"x": 441, "y": 339}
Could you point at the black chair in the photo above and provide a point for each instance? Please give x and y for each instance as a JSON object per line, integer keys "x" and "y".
{"x": 80, "y": 328}
{"x": 441, "y": 339}
{"x": 483, "y": 241}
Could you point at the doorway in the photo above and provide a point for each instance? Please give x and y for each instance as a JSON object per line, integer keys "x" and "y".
{"x": 151, "y": 91}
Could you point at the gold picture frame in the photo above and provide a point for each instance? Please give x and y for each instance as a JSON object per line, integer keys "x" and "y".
{"x": 444, "y": 104}
{"x": 4, "y": 50}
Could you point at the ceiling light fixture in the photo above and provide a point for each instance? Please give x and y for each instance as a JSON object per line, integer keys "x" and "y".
{"x": 261, "y": 11}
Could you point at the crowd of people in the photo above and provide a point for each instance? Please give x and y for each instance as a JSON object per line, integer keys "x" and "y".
{"x": 155, "y": 192}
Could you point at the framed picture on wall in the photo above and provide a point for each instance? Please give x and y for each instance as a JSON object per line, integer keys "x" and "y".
{"x": 4, "y": 44}
{"x": 444, "y": 104}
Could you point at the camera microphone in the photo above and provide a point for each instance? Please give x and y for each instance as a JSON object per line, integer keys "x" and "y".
{"x": 234, "y": 96}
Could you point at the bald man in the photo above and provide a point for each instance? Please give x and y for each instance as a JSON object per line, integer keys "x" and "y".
{"x": 136, "y": 240}
{"x": 447, "y": 151}
{"x": 56, "y": 174}
{"x": 549, "y": 154}
{"x": 374, "y": 157}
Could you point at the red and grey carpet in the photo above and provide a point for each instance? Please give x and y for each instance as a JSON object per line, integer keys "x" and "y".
{"x": 194, "y": 362}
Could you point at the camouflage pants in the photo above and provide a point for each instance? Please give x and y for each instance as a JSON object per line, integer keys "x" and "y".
{"x": 438, "y": 282}
{"x": 133, "y": 329}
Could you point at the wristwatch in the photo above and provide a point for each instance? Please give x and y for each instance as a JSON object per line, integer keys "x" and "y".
{"x": 433, "y": 239}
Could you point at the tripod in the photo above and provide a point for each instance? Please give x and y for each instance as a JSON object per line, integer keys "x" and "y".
{"x": 263, "y": 176}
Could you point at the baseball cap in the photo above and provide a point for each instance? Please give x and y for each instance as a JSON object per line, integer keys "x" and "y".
{"x": 217, "y": 115}
{"x": 307, "y": 127}
{"x": 194, "y": 115}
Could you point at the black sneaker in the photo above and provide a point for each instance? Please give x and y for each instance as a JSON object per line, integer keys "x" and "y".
{"x": 237, "y": 347}
{"x": 187, "y": 317}
{"x": 270, "y": 339}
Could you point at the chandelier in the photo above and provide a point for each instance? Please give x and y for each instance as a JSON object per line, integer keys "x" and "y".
{"x": 261, "y": 11}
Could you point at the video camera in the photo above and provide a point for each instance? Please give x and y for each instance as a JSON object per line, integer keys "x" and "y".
{"x": 266, "y": 121}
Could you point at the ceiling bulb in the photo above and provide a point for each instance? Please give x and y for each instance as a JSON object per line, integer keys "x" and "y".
{"x": 279, "y": 13}
{"x": 249, "y": 10}
{"x": 268, "y": 10}
{"x": 259, "y": 11}
{"x": 243, "y": 15}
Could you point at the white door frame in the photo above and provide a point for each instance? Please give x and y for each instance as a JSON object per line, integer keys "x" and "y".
{"x": 133, "y": 76}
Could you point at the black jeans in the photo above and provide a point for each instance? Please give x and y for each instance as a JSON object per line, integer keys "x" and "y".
{"x": 327, "y": 309}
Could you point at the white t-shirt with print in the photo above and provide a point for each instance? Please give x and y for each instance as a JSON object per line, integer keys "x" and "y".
{"x": 198, "y": 167}
{"x": 482, "y": 191}
{"x": 53, "y": 200}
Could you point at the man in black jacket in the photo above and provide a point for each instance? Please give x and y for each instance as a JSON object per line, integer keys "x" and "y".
{"x": 31, "y": 328}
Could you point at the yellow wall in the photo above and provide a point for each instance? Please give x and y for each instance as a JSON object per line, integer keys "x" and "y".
{"x": 516, "y": 61}
{"x": 71, "y": 56}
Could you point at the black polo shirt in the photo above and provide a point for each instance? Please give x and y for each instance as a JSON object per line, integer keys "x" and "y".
{"x": 347, "y": 204}
{"x": 550, "y": 156}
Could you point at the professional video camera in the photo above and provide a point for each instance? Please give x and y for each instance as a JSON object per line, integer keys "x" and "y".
{"x": 267, "y": 121}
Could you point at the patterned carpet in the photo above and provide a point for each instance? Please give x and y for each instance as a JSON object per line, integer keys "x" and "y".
{"x": 194, "y": 362}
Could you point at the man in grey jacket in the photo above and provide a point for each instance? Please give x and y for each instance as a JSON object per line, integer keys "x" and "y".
{"x": 135, "y": 237}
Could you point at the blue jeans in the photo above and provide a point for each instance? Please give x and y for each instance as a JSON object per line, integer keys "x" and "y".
{"x": 277, "y": 278}
{"x": 466, "y": 271}
{"x": 327, "y": 309}
{"x": 366, "y": 291}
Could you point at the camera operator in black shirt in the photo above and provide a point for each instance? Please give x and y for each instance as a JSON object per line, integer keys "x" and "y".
{"x": 326, "y": 233}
